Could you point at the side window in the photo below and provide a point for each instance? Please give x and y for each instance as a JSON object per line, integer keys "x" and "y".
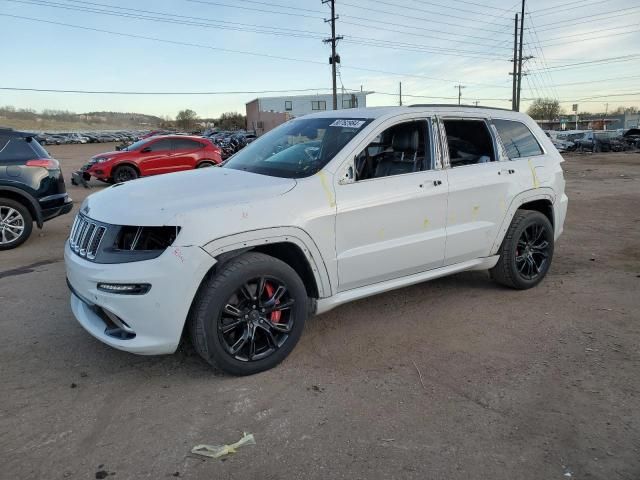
{"x": 517, "y": 139}
{"x": 160, "y": 145}
{"x": 400, "y": 149}
{"x": 186, "y": 144}
{"x": 288, "y": 105}
{"x": 469, "y": 142}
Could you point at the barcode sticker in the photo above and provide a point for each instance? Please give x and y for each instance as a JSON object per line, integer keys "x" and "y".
{"x": 348, "y": 123}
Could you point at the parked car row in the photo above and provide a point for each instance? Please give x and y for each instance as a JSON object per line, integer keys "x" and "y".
{"x": 595, "y": 140}
{"x": 230, "y": 142}
{"x": 89, "y": 137}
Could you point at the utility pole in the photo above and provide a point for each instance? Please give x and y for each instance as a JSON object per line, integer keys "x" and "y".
{"x": 520, "y": 58}
{"x": 515, "y": 66}
{"x": 335, "y": 58}
{"x": 459, "y": 87}
{"x": 400, "y": 93}
{"x": 476, "y": 103}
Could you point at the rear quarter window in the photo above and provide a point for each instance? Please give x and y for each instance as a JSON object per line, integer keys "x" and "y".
{"x": 18, "y": 149}
{"x": 517, "y": 139}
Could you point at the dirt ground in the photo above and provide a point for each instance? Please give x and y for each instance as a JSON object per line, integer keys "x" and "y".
{"x": 453, "y": 379}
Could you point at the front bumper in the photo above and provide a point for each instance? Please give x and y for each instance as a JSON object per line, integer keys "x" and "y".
{"x": 157, "y": 318}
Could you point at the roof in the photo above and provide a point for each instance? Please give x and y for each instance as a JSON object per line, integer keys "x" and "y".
{"x": 379, "y": 112}
{"x": 15, "y": 133}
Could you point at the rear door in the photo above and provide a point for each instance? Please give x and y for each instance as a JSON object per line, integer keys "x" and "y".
{"x": 155, "y": 156}
{"x": 482, "y": 184}
{"x": 186, "y": 154}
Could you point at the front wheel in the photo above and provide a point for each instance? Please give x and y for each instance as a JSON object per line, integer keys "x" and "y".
{"x": 526, "y": 251}
{"x": 249, "y": 316}
{"x": 124, "y": 173}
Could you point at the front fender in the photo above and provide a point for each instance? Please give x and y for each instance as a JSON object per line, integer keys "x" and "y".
{"x": 541, "y": 193}
{"x": 294, "y": 235}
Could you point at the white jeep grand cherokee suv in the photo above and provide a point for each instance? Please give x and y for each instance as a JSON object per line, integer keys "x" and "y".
{"x": 325, "y": 209}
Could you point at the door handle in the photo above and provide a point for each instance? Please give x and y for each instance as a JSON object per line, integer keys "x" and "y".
{"x": 509, "y": 171}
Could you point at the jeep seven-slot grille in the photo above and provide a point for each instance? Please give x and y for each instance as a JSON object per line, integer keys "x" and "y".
{"x": 86, "y": 236}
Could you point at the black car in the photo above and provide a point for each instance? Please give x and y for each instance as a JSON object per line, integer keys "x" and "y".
{"x": 32, "y": 188}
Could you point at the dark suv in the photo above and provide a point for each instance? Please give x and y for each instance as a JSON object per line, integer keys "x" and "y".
{"x": 31, "y": 187}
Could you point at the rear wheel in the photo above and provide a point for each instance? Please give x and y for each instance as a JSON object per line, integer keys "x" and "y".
{"x": 526, "y": 251}
{"x": 124, "y": 173}
{"x": 16, "y": 224}
{"x": 249, "y": 316}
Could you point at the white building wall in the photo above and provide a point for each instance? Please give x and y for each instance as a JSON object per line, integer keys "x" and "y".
{"x": 305, "y": 104}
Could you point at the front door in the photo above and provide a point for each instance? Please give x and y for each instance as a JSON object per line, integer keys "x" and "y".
{"x": 155, "y": 156}
{"x": 391, "y": 220}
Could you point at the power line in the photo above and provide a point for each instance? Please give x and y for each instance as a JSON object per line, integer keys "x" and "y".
{"x": 597, "y": 62}
{"x": 396, "y": 14}
{"x": 619, "y": 27}
{"x": 241, "y": 52}
{"x": 296, "y": 33}
{"x": 586, "y": 39}
{"x": 112, "y": 92}
{"x": 404, "y": 6}
{"x": 573, "y": 23}
{"x": 557, "y": 10}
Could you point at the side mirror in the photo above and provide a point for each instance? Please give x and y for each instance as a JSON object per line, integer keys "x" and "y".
{"x": 145, "y": 150}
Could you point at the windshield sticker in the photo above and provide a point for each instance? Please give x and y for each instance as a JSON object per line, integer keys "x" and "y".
{"x": 348, "y": 123}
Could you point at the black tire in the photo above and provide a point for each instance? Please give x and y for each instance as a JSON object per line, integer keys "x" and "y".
{"x": 124, "y": 173}
{"x": 15, "y": 219}
{"x": 207, "y": 318}
{"x": 523, "y": 262}
{"x": 205, "y": 164}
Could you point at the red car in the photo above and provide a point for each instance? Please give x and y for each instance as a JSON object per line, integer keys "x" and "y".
{"x": 152, "y": 156}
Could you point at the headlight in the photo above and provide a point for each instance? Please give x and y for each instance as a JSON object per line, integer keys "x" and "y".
{"x": 146, "y": 238}
{"x": 104, "y": 243}
{"x": 102, "y": 159}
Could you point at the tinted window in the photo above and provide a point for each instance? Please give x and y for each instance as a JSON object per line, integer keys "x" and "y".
{"x": 164, "y": 144}
{"x": 517, "y": 139}
{"x": 19, "y": 149}
{"x": 186, "y": 144}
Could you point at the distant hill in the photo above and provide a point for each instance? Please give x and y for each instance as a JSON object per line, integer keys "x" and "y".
{"x": 60, "y": 120}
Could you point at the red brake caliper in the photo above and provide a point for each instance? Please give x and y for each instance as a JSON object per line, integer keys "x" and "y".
{"x": 275, "y": 316}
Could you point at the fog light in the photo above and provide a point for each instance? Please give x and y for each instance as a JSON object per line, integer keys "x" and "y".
{"x": 125, "y": 288}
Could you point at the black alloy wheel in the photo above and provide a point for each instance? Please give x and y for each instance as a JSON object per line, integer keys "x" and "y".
{"x": 532, "y": 251}
{"x": 249, "y": 314}
{"x": 526, "y": 251}
{"x": 256, "y": 320}
{"x": 124, "y": 173}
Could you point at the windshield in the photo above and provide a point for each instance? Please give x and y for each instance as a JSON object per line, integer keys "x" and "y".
{"x": 136, "y": 145}
{"x": 298, "y": 148}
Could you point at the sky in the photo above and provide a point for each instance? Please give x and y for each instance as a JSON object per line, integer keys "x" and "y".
{"x": 585, "y": 52}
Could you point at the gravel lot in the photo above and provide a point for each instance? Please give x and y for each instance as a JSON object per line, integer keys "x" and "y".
{"x": 454, "y": 379}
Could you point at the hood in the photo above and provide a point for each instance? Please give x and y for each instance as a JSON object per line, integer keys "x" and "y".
{"x": 166, "y": 199}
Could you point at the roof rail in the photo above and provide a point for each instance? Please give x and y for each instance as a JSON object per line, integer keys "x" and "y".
{"x": 456, "y": 105}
